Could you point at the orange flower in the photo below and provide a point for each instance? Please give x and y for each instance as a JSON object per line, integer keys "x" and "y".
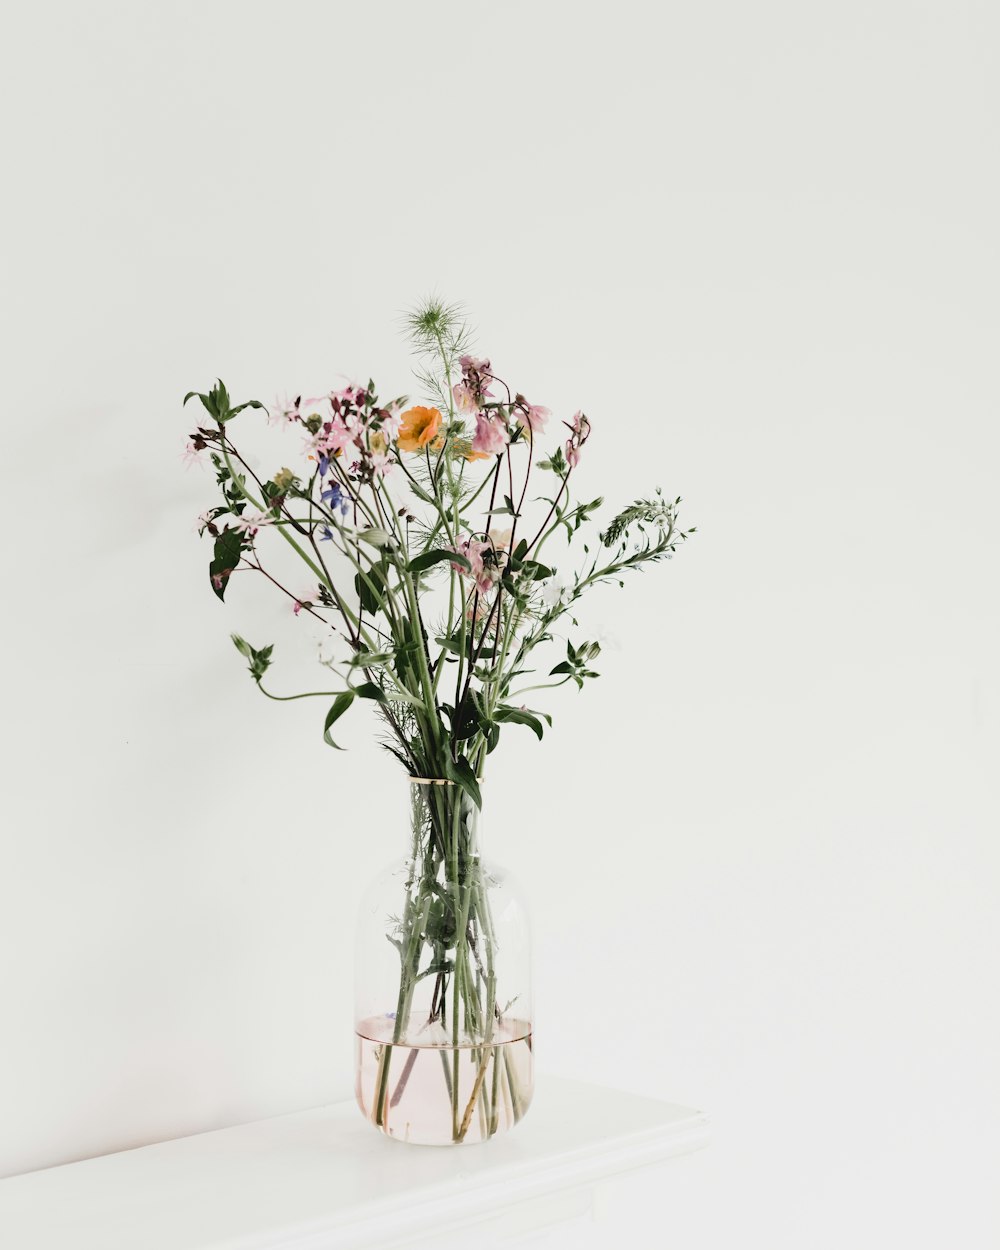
{"x": 419, "y": 427}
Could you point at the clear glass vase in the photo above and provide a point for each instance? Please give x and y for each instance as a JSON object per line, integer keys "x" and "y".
{"x": 443, "y": 984}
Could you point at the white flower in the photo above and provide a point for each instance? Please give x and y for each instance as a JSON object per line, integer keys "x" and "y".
{"x": 250, "y": 522}
{"x": 554, "y": 592}
{"x": 192, "y": 455}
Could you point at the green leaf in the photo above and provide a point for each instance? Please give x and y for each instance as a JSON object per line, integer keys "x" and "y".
{"x": 207, "y": 402}
{"x": 369, "y": 659}
{"x": 520, "y": 717}
{"x": 340, "y": 705}
{"x": 429, "y": 558}
{"x": 260, "y": 661}
{"x": 251, "y": 403}
{"x": 369, "y": 690}
{"x": 538, "y": 571}
{"x": 420, "y": 493}
{"x": 556, "y": 462}
{"x": 372, "y": 586}
{"x": 461, "y": 771}
{"x": 470, "y": 717}
{"x": 228, "y": 549}
{"x": 449, "y": 644}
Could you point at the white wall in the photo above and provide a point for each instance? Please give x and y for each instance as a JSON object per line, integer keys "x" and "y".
{"x": 758, "y": 243}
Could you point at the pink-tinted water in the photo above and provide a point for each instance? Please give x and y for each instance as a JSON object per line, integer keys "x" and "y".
{"x": 494, "y": 1082}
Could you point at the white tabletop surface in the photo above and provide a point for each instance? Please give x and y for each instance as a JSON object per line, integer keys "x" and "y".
{"x": 325, "y": 1179}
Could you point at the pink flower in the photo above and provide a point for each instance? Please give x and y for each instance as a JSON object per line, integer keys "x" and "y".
{"x": 533, "y": 417}
{"x": 306, "y": 599}
{"x": 192, "y": 454}
{"x": 491, "y": 435}
{"x": 465, "y": 401}
{"x": 485, "y": 568}
{"x": 474, "y": 386}
{"x": 331, "y": 438}
{"x": 579, "y": 432}
{"x": 349, "y": 394}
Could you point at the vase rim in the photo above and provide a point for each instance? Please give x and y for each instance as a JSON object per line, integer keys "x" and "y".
{"x": 435, "y": 781}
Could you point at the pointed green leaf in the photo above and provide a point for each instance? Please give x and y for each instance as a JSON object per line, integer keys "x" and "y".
{"x": 340, "y": 705}
{"x": 429, "y": 558}
{"x": 461, "y": 771}
{"x": 369, "y": 690}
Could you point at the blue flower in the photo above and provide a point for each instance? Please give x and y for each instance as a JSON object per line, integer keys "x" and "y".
{"x": 334, "y": 496}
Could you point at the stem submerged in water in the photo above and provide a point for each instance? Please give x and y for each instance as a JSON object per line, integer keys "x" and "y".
{"x": 447, "y": 926}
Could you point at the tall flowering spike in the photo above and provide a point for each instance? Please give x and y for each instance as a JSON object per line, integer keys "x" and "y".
{"x": 491, "y": 435}
{"x": 418, "y": 428}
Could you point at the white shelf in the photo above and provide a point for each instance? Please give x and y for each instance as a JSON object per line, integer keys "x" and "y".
{"x": 324, "y": 1179}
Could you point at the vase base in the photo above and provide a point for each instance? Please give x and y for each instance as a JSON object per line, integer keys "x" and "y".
{"x": 435, "y": 1094}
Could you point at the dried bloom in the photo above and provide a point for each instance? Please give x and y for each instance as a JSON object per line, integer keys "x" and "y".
{"x": 283, "y": 479}
{"x": 418, "y": 428}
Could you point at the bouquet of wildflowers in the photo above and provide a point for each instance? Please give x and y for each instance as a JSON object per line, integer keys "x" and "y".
{"x": 445, "y": 547}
